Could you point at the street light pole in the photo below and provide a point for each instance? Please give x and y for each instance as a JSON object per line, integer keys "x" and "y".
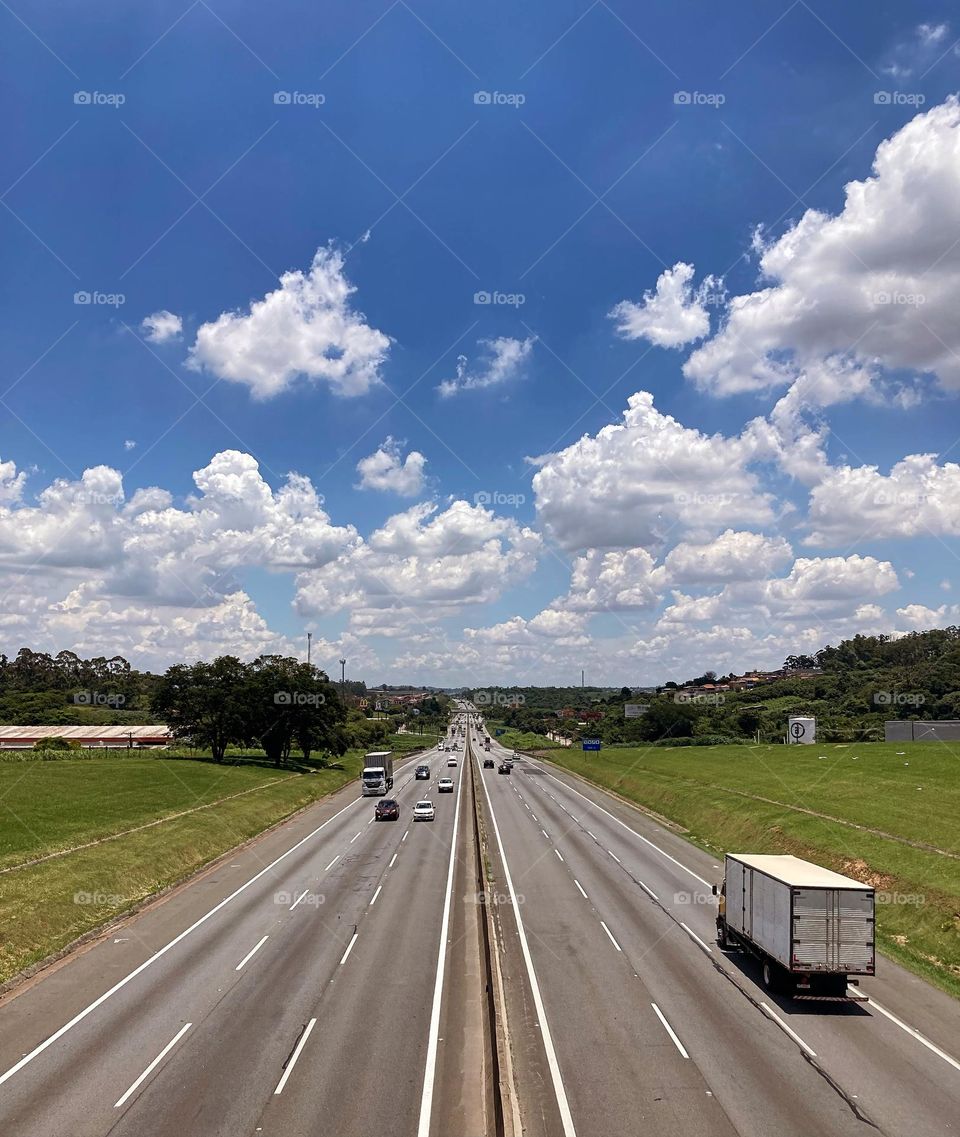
{"x": 309, "y": 638}
{"x": 343, "y": 672}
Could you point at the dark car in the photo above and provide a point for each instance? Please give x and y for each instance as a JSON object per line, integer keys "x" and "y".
{"x": 488, "y": 763}
{"x": 504, "y": 768}
{"x": 387, "y": 810}
{"x": 423, "y": 772}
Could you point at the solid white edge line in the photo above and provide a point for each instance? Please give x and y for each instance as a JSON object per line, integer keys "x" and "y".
{"x": 915, "y": 1033}
{"x": 610, "y": 934}
{"x": 693, "y": 935}
{"x": 580, "y": 886}
{"x": 788, "y": 1030}
{"x": 120, "y": 984}
{"x": 251, "y": 953}
{"x": 294, "y": 1056}
{"x": 433, "y": 1037}
{"x": 669, "y": 1029}
{"x": 333, "y": 862}
{"x": 299, "y": 898}
{"x": 634, "y": 833}
{"x": 393, "y": 860}
{"x": 375, "y": 895}
{"x": 558, "y": 1088}
{"x": 153, "y": 1065}
{"x": 343, "y": 958}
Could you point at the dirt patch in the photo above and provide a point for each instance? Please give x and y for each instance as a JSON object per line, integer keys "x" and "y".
{"x": 861, "y": 871}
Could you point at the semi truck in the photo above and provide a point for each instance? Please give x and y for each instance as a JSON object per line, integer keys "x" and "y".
{"x": 377, "y": 776}
{"x": 812, "y": 929}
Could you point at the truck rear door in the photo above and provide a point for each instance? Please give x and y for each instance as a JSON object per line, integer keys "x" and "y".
{"x": 833, "y": 930}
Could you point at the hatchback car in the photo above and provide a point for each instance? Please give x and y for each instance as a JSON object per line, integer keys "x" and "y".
{"x": 386, "y": 810}
{"x": 488, "y": 763}
{"x": 424, "y": 811}
{"x": 445, "y": 786}
{"x": 422, "y": 772}
{"x": 504, "y": 768}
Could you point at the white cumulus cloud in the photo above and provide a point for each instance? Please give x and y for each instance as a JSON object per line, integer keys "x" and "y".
{"x": 503, "y": 360}
{"x": 673, "y": 315}
{"x": 387, "y": 469}
{"x": 162, "y": 326}
{"x": 306, "y": 327}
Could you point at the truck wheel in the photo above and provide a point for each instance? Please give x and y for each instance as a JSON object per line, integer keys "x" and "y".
{"x": 771, "y": 977}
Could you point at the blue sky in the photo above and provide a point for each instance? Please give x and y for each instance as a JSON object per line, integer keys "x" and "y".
{"x": 401, "y": 162}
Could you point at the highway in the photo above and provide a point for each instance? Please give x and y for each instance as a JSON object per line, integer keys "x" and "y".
{"x": 653, "y": 1028}
{"x": 331, "y": 977}
{"x": 304, "y": 985}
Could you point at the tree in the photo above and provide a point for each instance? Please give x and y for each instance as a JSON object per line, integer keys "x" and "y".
{"x": 799, "y": 663}
{"x": 204, "y": 703}
{"x": 287, "y": 701}
{"x": 667, "y": 720}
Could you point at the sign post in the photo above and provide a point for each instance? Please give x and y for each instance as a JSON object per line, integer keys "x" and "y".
{"x": 591, "y": 744}
{"x": 802, "y": 730}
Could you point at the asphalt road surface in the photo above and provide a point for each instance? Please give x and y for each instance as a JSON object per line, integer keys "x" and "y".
{"x": 652, "y": 1028}
{"x": 300, "y": 988}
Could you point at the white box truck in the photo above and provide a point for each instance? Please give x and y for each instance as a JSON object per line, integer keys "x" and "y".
{"x": 811, "y": 928}
{"x": 377, "y": 776}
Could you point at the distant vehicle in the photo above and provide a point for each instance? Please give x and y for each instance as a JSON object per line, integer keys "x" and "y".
{"x": 386, "y": 810}
{"x": 377, "y": 776}
{"x": 424, "y": 811}
{"x": 422, "y": 772}
{"x": 445, "y": 786}
{"x": 486, "y": 744}
{"x": 505, "y": 768}
{"x": 811, "y": 928}
{"x": 488, "y": 763}
{"x": 451, "y": 762}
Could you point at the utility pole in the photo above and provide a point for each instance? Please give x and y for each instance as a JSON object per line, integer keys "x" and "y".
{"x": 309, "y": 638}
{"x": 581, "y": 679}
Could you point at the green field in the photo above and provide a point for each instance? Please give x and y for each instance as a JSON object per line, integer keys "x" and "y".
{"x": 906, "y": 798}
{"x": 53, "y": 807}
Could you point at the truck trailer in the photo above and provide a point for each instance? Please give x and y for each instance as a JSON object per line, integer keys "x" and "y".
{"x": 377, "y": 776}
{"x": 811, "y": 928}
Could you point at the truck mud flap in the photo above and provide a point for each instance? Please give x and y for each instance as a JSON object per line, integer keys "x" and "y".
{"x": 858, "y": 998}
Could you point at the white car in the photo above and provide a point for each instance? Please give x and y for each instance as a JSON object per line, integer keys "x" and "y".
{"x": 445, "y": 786}
{"x": 424, "y": 811}
{"x": 451, "y": 761}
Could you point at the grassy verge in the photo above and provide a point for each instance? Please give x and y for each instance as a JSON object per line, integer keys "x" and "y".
{"x": 901, "y": 793}
{"x": 523, "y": 740}
{"x": 49, "y": 807}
